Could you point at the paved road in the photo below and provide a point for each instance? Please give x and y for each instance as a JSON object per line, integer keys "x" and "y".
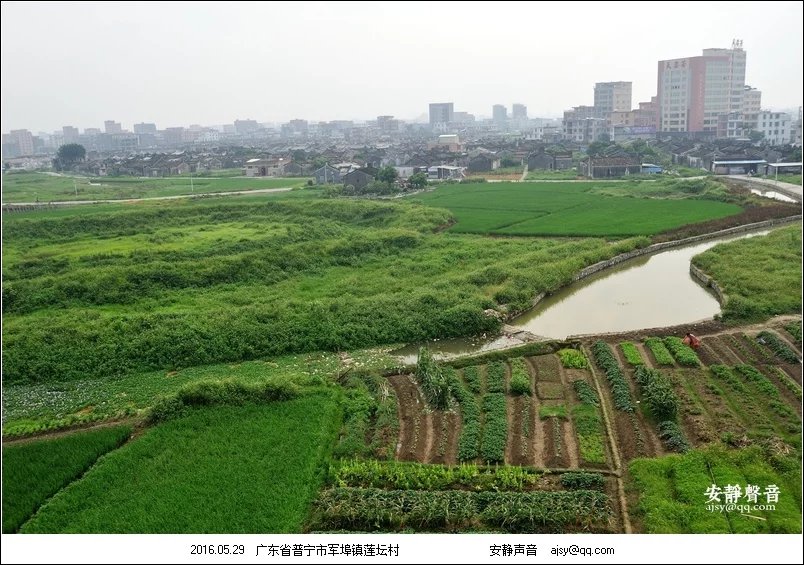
{"x": 129, "y": 200}
{"x": 792, "y": 190}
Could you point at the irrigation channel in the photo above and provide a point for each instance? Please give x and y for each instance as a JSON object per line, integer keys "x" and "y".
{"x": 649, "y": 291}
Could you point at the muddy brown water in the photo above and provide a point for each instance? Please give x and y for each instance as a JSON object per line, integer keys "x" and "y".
{"x": 651, "y": 291}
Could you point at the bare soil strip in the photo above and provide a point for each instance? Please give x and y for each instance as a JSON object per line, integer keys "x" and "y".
{"x": 415, "y": 422}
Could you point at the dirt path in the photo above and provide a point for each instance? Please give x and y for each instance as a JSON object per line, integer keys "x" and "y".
{"x": 415, "y": 422}
{"x": 136, "y": 423}
{"x": 536, "y": 431}
{"x": 605, "y": 409}
{"x": 722, "y": 350}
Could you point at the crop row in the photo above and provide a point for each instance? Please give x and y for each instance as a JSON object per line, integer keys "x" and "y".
{"x": 418, "y": 476}
{"x": 472, "y": 377}
{"x": 573, "y": 359}
{"x": 520, "y": 377}
{"x": 725, "y": 374}
{"x": 495, "y": 377}
{"x": 779, "y": 347}
{"x": 684, "y": 354}
{"x": 673, "y": 437}
{"x": 619, "y": 387}
{"x": 469, "y": 442}
{"x": 658, "y": 393}
{"x": 495, "y": 429}
{"x": 373, "y": 509}
{"x": 586, "y": 394}
{"x": 432, "y": 380}
{"x": 590, "y": 433}
{"x": 789, "y": 383}
{"x": 794, "y": 330}
{"x": 631, "y": 353}
{"x": 763, "y": 384}
{"x": 660, "y": 352}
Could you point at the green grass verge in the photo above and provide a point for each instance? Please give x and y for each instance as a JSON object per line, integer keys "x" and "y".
{"x": 36, "y": 470}
{"x": 244, "y": 469}
{"x": 761, "y": 276}
{"x": 672, "y": 500}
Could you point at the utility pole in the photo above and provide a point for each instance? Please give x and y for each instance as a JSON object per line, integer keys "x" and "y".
{"x": 75, "y": 186}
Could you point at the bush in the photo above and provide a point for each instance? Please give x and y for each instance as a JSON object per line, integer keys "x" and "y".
{"x": 573, "y": 359}
{"x": 218, "y": 393}
{"x": 435, "y": 386}
{"x": 520, "y": 377}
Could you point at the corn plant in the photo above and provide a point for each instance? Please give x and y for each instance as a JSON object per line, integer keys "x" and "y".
{"x": 434, "y": 384}
{"x": 658, "y": 393}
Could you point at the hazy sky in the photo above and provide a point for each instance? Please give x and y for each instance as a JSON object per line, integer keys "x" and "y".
{"x": 211, "y": 63}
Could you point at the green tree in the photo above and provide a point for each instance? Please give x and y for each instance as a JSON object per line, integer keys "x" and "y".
{"x": 419, "y": 180}
{"x": 756, "y": 136}
{"x": 596, "y": 148}
{"x": 388, "y": 174}
{"x": 71, "y": 153}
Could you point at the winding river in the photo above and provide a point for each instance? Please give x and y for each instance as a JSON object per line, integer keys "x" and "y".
{"x": 650, "y": 291}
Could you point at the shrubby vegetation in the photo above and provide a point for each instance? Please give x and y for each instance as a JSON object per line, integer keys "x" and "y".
{"x": 192, "y": 283}
{"x": 761, "y": 276}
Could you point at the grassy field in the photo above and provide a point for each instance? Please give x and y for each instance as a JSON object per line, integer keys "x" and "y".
{"x": 569, "y": 209}
{"x": 229, "y": 469}
{"x": 672, "y": 488}
{"x": 791, "y": 178}
{"x": 761, "y": 276}
{"x": 35, "y": 471}
{"x": 41, "y": 187}
{"x": 169, "y": 285}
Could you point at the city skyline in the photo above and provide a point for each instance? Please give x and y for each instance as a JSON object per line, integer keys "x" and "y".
{"x": 222, "y": 65}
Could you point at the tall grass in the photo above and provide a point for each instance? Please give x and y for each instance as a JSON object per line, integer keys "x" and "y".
{"x": 36, "y": 470}
{"x": 225, "y": 469}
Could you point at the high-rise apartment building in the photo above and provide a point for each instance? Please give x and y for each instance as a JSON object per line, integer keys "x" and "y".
{"x": 519, "y": 112}
{"x": 612, "y": 97}
{"x": 111, "y": 126}
{"x": 499, "y": 113}
{"x": 694, "y": 92}
{"x": 441, "y": 113}
{"x": 143, "y": 128}
{"x": 69, "y": 134}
